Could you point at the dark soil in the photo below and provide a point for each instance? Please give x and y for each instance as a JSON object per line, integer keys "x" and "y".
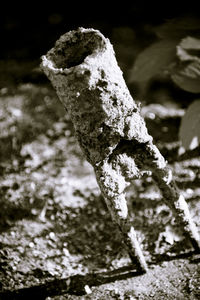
{"x": 57, "y": 240}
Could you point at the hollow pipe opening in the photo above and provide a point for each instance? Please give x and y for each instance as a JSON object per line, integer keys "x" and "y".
{"x": 72, "y": 49}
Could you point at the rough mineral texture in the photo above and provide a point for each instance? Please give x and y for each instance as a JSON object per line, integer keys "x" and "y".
{"x": 83, "y": 69}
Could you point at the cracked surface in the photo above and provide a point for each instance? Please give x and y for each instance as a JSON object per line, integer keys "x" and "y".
{"x": 83, "y": 69}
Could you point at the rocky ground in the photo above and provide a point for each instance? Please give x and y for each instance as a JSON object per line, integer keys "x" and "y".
{"x": 57, "y": 240}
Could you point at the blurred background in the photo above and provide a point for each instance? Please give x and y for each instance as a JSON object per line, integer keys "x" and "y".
{"x": 29, "y": 30}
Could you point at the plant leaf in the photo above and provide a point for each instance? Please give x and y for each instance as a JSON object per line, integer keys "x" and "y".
{"x": 190, "y": 43}
{"x": 189, "y": 49}
{"x": 178, "y": 27}
{"x": 153, "y": 60}
{"x": 189, "y": 131}
{"x": 188, "y": 77}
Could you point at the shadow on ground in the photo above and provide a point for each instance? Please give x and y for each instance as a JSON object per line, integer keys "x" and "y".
{"x": 80, "y": 284}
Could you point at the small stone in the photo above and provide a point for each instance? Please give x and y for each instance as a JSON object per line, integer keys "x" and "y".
{"x": 87, "y": 289}
{"x": 31, "y": 245}
{"x": 66, "y": 252}
{"x": 52, "y": 236}
{"x": 189, "y": 191}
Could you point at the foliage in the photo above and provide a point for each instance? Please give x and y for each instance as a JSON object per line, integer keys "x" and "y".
{"x": 175, "y": 56}
{"x": 190, "y": 137}
{"x": 187, "y": 74}
{"x": 149, "y": 62}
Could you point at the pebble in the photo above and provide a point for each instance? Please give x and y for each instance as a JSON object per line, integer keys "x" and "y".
{"x": 52, "y": 235}
{"x": 87, "y": 289}
{"x": 31, "y": 245}
{"x": 66, "y": 252}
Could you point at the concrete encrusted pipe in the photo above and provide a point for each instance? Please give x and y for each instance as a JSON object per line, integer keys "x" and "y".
{"x": 111, "y": 132}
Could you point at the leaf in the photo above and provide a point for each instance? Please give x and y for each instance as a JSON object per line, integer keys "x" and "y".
{"x": 188, "y": 77}
{"x": 178, "y": 27}
{"x": 189, "y": 49}
{"x": 189, "y": 131}
{"x": 153, "y": 60}
{"x": 190, "y": 43}
{"x": 186, "y": 74}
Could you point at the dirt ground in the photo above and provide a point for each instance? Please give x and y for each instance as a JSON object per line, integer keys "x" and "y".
{"x": 57, "y": 240}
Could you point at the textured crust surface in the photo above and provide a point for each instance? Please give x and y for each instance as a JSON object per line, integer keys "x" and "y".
{"x": 92, "y": 89}
{"x": 83, "y": 69}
